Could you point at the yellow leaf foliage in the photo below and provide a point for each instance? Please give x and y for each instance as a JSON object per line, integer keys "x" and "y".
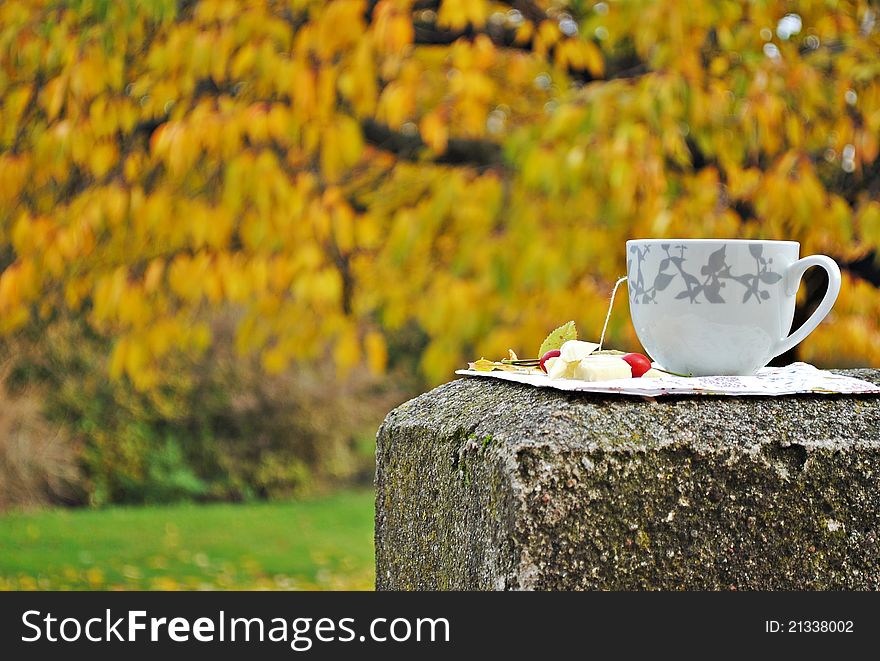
{"x": 348, "y": 173}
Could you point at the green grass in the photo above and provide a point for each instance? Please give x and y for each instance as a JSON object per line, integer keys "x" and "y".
{"x": 321, "y": 543}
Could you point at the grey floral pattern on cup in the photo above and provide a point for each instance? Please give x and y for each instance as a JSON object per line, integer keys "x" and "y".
{"x": 714, "y": 275}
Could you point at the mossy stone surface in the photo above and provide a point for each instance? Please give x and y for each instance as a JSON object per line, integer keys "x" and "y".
{"x": 484, "y": 484}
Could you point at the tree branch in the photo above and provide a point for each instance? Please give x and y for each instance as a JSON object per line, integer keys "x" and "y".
{"x": 429, "y": 34}
{"x": 459, "y": 151}
{"x": 867, "y": 268}
{"x": 529, "y": 10}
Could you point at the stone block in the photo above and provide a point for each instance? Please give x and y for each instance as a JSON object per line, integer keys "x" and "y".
{"x": 490, "y": 485}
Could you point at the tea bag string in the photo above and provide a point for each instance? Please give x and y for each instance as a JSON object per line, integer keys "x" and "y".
{"x": 608, "y": 315}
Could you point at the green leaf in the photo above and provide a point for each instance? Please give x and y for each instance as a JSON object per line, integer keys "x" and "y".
{"x": 558, "y": 337}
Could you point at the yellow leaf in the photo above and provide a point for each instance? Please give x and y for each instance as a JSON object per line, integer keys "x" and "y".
{"x": 136, "y": 358}
{"x": 274, "y": 360}
{"x": 153, "y": 275}
{"x": 395, "y": 105}
{"x": 377, "y": 352}
{"x": 434, "y": 131}
{"x": 351, "y": 143}
{"x": 332, "y": 164}
{"x": 524, "y": 32}
{"x": 118, "y": 358}
{"x": 592, "y": 58}
{"x": 13, "y": 177}
{"x": 343, "y": 228}
{"x": 392, "y": 26}
{"x": 53, "y": 95}
{"x": 482, "y": 365}
{"x": 549, "y": 33}
{"x": 453, "y": 14}
{"x": 347, "y": 352}
{"x": 103, "y": 156}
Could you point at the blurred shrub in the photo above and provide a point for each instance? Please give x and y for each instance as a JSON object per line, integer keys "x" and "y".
{"x": 38, "y": 460}
{"x": 217, "y": 429}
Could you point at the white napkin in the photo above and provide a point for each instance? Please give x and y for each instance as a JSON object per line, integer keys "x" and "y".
{"x": 769, "y": 381}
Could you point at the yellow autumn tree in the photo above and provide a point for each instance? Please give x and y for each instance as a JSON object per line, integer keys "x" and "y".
{"x": 467, "y": 171}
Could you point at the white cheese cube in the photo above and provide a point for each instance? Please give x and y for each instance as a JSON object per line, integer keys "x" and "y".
{"x": 602, "y": 368}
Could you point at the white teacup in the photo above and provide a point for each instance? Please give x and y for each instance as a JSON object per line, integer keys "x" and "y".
{"x": 719, "y": 306}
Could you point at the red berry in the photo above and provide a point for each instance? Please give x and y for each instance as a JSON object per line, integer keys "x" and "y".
{"x": 547, "y": 356}
{"x": 639, "y": 363}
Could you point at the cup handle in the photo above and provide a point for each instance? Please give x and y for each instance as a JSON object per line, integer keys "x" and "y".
{"x": 792, "y": 280}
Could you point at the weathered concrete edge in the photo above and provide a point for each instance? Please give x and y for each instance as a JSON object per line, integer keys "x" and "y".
{"x": 482, "y": 488}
